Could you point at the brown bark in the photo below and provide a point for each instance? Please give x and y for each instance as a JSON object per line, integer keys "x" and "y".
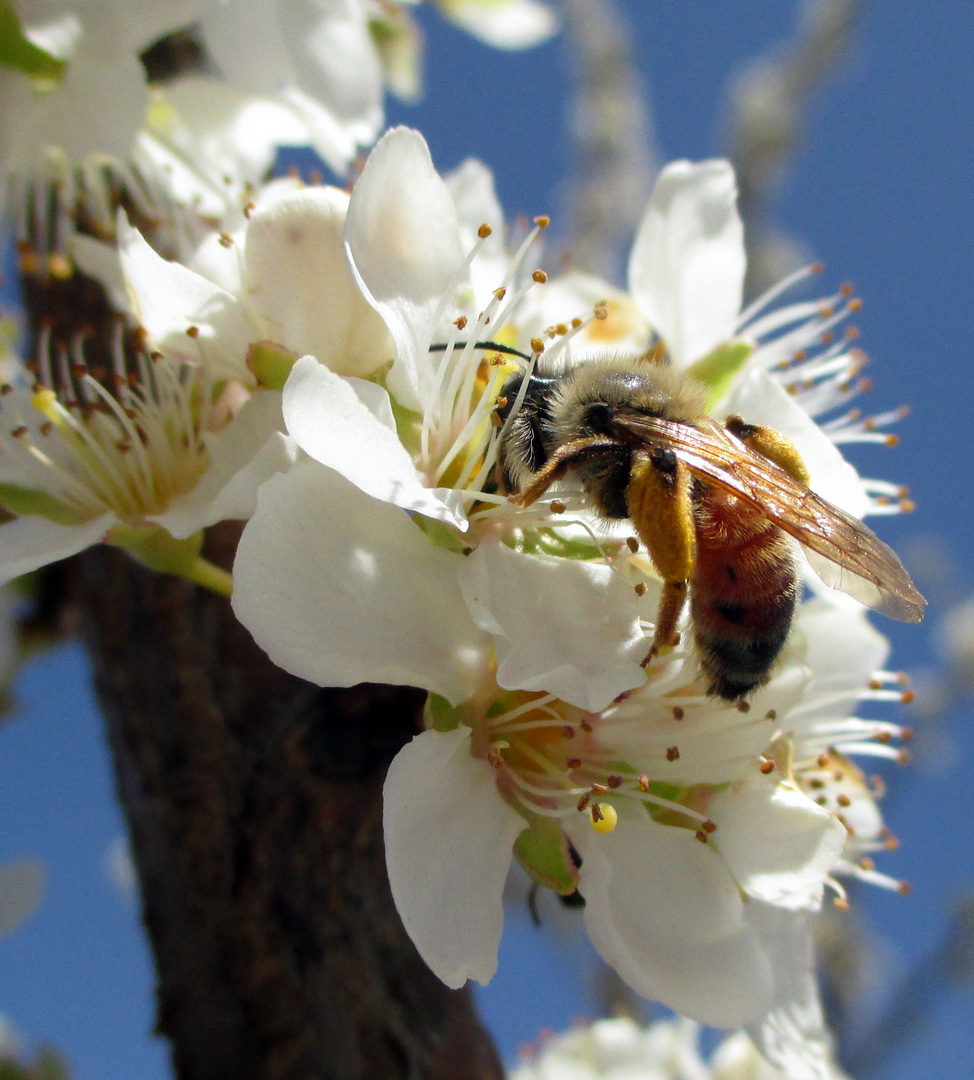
{"x": 254, "y": 804}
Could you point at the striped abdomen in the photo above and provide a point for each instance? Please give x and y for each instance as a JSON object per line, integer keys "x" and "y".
{"x": 743, "y": 592}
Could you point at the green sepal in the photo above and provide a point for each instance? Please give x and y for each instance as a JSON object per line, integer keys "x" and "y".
{"x": 270, "y": 363}
{"x": 548, "y": 542}
{"x": 440, "y": 715}
{"x": 25, "y": 502}
{"x": 718, "y": 369}
{"x": 542, "y": 849}
{"x": 155, "y": 548}
{"x": 17, "y": 51}
{"x": 442, "y": 535}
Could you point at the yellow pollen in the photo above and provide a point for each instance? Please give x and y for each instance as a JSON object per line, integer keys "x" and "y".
{"x": 45, "y": 401}
{"x": 542, "y": 222}
{"x": 537, "y": 345}
{"x": 484, "y": 231}
{"x": 539, "y": 277}
{"x": 604, "y": 817}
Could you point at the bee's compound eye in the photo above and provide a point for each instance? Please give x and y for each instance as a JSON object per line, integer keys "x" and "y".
{"x": 598, "y": 417}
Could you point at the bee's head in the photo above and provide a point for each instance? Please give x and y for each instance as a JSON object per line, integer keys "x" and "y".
{"x": 527, "y": 440}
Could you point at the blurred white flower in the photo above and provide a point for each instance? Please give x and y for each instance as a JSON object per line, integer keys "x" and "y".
{"x": 666, "y": 1050}
{"x": 327, "y": 61}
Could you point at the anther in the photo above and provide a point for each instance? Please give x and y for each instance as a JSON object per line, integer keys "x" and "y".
{"x": 678, "y": 713}
{"x": 557, "y": 506}
{"x": 542, "y": 222}
{"x": 539, "y": 277}
{"x": 643, "y": 781}
{"x": 599, "y": 789}
{"x": 903, "y": 888}
{"x": 606, "y": 818}
{"x": 568, "y": 731}
{"x": 484, "y": 231}
{"x": 537, "y": 345}
{"x": 843, "y": 800}
{"x": 226, "y": 240}
{"x": 701, "y": 836}
{"x": 633, "y": 544}
{"x": 641, "y": 588}
{"x": 193, "y": 332}
{"x": 614, "y": 781}
{"x": 672, "y": 753}
{"x": 742, "y": 706}
{"x": 574, "y": 763}
{"x": 767, "y": 767}
{"x": 583, "y": 802}
{"x": 460, "y": 322}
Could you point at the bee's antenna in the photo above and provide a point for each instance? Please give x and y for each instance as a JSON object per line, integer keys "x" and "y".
{"x": 508, "y": 350}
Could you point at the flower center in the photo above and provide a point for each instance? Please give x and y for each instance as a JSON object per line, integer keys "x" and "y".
{"x": 84, "y": 442}
{"x": 553, "y": 760}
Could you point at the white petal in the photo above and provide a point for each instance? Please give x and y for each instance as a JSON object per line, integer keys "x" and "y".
{"x": 779, "y": 845}
{"x": 403, "y": 239}
{"x": 30, "y": 542}
{"x": 843, "y": 649}
{"x": 224, "y": 129}
{"x": 97, "y": 109}
{"x": 791, "y": 1034}
{"x": 249, "y": 450}
{"x": 760, "y": 399}
{"x": 100, "y": 261}
{"x": 336, "y": 62}
{"x": 448, "y": 839}
{"x": 686, "y": 270}
{"x": 21, "y": 888}
{"x": 505, "y": 24}
{"x": 339, "y": 588}
{"x": 472, "y": 188}
{"x": 328, "y": 418}
{"x": 300, "y": 283}
{"x": 167, "y": 299}
{"x": 532, "y": 606}
{"x": 664, "y": 911}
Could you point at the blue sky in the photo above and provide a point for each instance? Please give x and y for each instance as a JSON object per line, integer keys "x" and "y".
{"x": 881, "y": 192}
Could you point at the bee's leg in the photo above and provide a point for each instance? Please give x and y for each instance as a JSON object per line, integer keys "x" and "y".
{"x": 770, "y": 444}
{"x": 661, "y": 508}
{"x": 560, "y": 462}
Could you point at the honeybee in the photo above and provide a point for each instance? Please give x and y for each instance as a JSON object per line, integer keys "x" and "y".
{"x": 716, "y": 506}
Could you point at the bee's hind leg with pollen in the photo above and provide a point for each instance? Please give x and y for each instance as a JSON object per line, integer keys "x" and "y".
{"x": 659, "y": 498}
{"x": 770, "y": 444}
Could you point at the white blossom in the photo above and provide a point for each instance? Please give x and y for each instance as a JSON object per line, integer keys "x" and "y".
{"x": 130, "y": 457}
{"x": 620, "y": 1049}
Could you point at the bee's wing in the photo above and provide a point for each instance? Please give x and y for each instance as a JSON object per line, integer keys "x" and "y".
{"x": 845, "y": 553}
